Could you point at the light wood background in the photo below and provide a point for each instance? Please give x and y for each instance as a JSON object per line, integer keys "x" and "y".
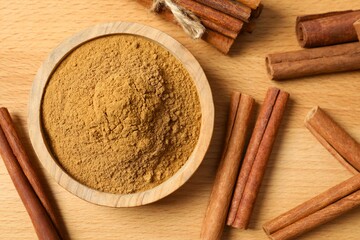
{"x": 299, "y": 167}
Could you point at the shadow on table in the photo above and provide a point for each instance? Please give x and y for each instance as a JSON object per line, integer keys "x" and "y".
{"x": 262, "y": 30}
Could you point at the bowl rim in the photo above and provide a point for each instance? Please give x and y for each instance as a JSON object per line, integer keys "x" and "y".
{"x": 109, "y": 199}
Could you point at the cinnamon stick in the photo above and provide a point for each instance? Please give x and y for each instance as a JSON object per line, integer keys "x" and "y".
{"x": 219, "y": 41}
{"x": 257, "y": 12}
{"x": 253, "y": 4}
{"x": 232, "y": 8}
{"x": 319, "y": 218}
{"x": 256, "y": 158}
{"x": 211, "y": 14}
{"x": 357, "y": 28}
{"x": 326, "y": 29}
{"x": 20, "y": 153}
{"x": 316, "y": 211}
{"x": 217, "y": 28}
{"x": 334, "y": 138}
{"x": 320, "y": 15}
{"x": 42, "y": 223}
{"x": 339, "y": 58}
{"x": 241, "y": 106}
{"x": 249, "y": 27}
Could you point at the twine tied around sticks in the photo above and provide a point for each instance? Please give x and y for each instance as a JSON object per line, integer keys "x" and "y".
{"x": 187, "y": 20}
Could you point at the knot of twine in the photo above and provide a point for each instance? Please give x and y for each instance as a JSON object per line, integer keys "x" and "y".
{"x": 187, "y": 20}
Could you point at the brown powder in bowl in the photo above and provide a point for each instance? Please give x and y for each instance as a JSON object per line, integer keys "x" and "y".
{"x": 121, "y": 114}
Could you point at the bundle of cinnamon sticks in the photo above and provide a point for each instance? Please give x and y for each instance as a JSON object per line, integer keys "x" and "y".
{"x": 316, "y": 211}
{"x": 224, "y": 20}
{"x": 256, "y": 158}
{"x": 233, "y": 197}
{"x": 335, "y": 201}
{"x": 322, "y": 31}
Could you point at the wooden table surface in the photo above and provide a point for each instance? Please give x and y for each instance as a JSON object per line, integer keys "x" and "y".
{"x": 299, "y": 167}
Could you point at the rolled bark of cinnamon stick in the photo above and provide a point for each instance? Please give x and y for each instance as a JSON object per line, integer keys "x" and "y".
{"x": 319, "y": 218}
{"x": 332, "y": 150}
{"x": 43, "y": 225}
{"x": 334, "y": 138}
{"x": 241, "y": 106}
{"x": 257, "y": 12}
{"x": 249, "y": 27}
{"x": 339, "y": 58}
{"x": 313, "y": 205}
{"x": 320, "y": 15}
{"x": 233, "y": 109}
{"x": 256, "y": 158}
{"x": 232, "y": 8}
{"x": 219, "y": 29}
{"x": 211, "y": 14}
{"x": 320, "y": 30}
{"x": 253, "y": 4}
{"x": 357, "y": 28}
{"x": 219, "y": 41}
{"x": 316, "y": 211}
{"x": 22, "y": 157}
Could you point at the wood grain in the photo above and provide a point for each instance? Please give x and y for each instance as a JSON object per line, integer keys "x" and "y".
{"x": 299, "y": 167}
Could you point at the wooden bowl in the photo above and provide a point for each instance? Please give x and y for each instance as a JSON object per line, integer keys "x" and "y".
{"x": 108, "y": 199}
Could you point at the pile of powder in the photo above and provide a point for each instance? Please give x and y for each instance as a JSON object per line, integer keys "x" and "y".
{"x": 121, "y": 114}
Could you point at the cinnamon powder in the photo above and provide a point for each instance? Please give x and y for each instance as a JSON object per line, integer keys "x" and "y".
{"x": 121, "y": 114}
